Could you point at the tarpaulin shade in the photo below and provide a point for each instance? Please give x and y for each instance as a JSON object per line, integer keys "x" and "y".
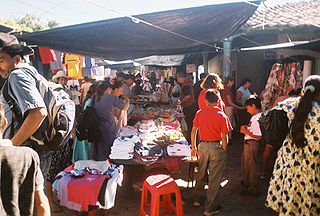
{"x": 121, "y": 38}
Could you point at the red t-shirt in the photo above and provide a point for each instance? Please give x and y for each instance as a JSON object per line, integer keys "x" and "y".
{"x": 224, "y": 93}
{"x": 202, "y": 101}
{"x": 212, "y": 123}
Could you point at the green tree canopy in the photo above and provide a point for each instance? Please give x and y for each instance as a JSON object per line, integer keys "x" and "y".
{"x": 30, "y": 23}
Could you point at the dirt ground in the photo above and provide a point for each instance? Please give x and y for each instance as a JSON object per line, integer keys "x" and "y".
{"x": 233, "y": 202}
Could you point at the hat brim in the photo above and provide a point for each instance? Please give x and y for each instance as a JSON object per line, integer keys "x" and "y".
{"x": 18, "y": 49}
{"x": 55, "y": 78}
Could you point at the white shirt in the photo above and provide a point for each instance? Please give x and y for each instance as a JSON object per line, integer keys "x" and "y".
{"x": 254, "y": 127}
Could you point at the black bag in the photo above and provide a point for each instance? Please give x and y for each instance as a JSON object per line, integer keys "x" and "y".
{"x": 87, "y": 124}
{"x": 274, "y": 127}
{"x": 55, "y": 130}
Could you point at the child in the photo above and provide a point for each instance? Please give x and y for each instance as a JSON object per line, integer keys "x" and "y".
{"x": 213, "y": 126}
{"x": 252, "y": 137}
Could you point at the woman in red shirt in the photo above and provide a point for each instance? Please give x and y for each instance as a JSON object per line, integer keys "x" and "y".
{"x": 227, "y": 98}
{"x": 212, "y": 81}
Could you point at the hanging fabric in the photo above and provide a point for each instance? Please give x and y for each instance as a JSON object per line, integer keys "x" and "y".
{"x": 282, "y": 79}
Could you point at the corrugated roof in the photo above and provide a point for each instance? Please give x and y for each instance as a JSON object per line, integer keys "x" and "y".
{"x": 289, "y": 15}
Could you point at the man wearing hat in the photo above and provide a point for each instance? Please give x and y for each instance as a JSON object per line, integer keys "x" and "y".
{"x": 61, "y": 78}
{"x": 22, "y": 88}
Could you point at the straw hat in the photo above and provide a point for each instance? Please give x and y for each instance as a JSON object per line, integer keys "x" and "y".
{"x": 59, "y": 74}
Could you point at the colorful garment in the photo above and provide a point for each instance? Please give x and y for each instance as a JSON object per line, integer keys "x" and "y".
{"x": 73, "y": 63}
{"x": 282, "y": 79}
{"x": 294, "y": 186}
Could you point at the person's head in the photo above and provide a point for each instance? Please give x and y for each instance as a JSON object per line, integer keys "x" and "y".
{"x": 60, "y": 78}
{"x": 120, "y": 76}
{"x": 212, "y": 97}
{"x": 311, "y": 93}
{"x": 3, "y": 120}
{"x": 129, "y": 79}
{"x": 91, "y": 92}
{"x": 202, "y": 76}
{"x": 253, "y": 105}
{"x": 117, "y": 89}
{"x": 246, "y": 83}
{"x": 86, "y": 79}
{"x": 103, "y": 88}
{"x": 11, "y": 53}
{"x": 229, "y": 81}
{"x": 212, "y": 81}
{"x": 181, "y": 77}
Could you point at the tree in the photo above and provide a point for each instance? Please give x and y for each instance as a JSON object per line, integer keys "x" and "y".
{"x": 30, "y": 23}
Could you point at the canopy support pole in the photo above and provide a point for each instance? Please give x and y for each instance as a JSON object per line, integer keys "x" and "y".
{"x": 227, "y": 45}
{"x": 205, "y": 61}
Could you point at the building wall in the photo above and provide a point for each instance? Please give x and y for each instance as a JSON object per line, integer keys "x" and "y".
{"x": 215, "y": 65}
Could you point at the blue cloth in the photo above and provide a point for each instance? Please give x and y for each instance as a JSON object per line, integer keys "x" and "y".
{"x": 107, "y": 125}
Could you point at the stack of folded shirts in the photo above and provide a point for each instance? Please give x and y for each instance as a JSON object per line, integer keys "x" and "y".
{"x": 123, "y": 147}
{"x": 147, "y": 126}
{"x": 179, "y": 150}
{"x": 128, "y": 131}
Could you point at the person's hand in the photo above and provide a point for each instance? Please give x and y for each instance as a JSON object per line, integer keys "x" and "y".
{"x": 194, "y": 153}
{"x": 243, "y": 129}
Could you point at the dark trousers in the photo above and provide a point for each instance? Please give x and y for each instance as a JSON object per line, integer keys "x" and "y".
{"x": 189, "y": 113}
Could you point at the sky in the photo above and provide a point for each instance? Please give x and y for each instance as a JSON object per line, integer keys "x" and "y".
{"x": 69, "y": 12}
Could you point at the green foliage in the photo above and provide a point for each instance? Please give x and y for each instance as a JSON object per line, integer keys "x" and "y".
{"x": 30, "y": 23}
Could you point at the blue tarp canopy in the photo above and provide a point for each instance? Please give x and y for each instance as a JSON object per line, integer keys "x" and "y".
{"x": 126, "y": 38}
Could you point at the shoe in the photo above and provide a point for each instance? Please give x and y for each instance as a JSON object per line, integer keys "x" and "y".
{"x": 214, "y": 212}
{"x": 196, "y": 204}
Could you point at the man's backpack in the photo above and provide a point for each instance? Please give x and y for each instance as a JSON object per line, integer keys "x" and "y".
{"x": 55, "y": 130}
{"x": 87, "y": 124}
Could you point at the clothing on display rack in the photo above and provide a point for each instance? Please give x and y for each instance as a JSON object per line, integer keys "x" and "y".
{"x": 282, "y": 79}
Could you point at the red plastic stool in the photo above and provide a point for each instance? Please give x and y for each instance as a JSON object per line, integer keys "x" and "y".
{"x": 160, "y": 185}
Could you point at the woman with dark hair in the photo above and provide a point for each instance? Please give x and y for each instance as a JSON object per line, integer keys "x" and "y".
{"x": 242, "y": 94}
{"x": 212, "y": 81}
{"x": 119, "y": 115}
{"x": 294, "y": 187}
{"x": 104, "y": 105}
{"x": 81, "y": 149}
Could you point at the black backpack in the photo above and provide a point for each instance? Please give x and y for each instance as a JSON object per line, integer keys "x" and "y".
{"x": 87, "y": 124}
{"x": 55, "y": 130}
{"x": 274, "y": 127}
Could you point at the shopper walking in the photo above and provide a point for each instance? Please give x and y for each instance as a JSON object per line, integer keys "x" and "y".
{"x": 294, "y": 187}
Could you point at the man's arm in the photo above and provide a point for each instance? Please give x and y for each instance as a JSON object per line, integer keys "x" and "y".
{"x": 41, "y": 204}
{"x": 225, "y": 141}
{"x": 194, "y": 141}
{"x": 30, "y": 125}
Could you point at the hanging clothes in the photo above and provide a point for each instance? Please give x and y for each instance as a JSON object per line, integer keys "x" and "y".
{"x": 73, "y": 63}
{"x": 47, "y": 55}
{"x": 57, "y": 65}
{"x": 282, "y": 79}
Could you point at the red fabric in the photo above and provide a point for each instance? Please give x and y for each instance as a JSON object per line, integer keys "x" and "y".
{"x": 47, "y": 55}
{"x": 212, "y": 123}
{"x": 85, "y": 190}
{"x": 202, "y": 101}
{"x": 224, "y": 93}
